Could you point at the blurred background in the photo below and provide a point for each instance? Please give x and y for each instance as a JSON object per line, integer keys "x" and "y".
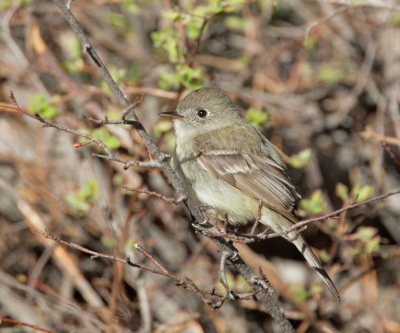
{"x": 321, "y": 79}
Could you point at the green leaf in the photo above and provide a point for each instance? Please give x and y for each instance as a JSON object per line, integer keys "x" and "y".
{"x": 169, "y": 81}
{"x": 373, "y": 246}
{"x": 170, "y": 140}
{"x": 76, "y": 206}
{"x": 325, "y": 256}
{"x": 365, "y": 234}
{"x": 363, "y": 193}
{"x": 300, "y": 293}
{"x": 342, "y": 191}
{"x": 313, "y": 205}
{"x": 110, "y": 243}
{"x": 257, "y": 117}
{"x": 395, "y": 19}
{"x": 130, "y": 6}
{"x": 167, "y": 40}
{"x": 38, "y": 104}
{"x": 172, "y": 15}
{"x": 89, "y": 191}
{"x": 235, "y": 23}
{"x": 194, "y": 26}
{"x": 330, "y": 74}
{"x": 190, "y": 78}
{"x": 161, "y": 127}
{"x": 301, "y": 159}
{"x": 370, "y": 241}
{"x": 113, "y": 115}
{"x": 310, "y": 43}
{"x": 117, "y": 20}
{"x": 106, "y": 137}
{"x": 79, "y": 201}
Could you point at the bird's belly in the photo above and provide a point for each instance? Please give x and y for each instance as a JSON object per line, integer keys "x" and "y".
{"x": 225, "y": 200}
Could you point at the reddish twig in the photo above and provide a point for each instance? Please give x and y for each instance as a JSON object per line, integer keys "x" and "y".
{"x": 14, "y": 322}
{"x": 390, "y": 152}
{"x": 186, "y": 283}
{"x": 149, "y": 256}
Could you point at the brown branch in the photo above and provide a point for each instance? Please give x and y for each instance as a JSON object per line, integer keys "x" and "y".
{"x": 14, "y": 322}
{"x": 370, "y": 134}
{"x": 390, "y": 152}
{"x": 54, "y": 124}
{"x": 337, "y": 212}
{"x": 261, "y": 290}
{"x": 324, "y": 19}
{"x": 250, "y": 238}
{"x": 186, "y": 283}
{"x": 91, "y": 139}
{"x": 156, "y": 194}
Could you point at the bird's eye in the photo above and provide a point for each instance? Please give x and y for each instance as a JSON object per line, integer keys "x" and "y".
{"x": 202, "y": 113}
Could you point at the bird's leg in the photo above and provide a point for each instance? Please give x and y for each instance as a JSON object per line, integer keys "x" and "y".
{"x": 229, "y": 294}
{"x": 204, "y": 209}
{"x": 257, "y": 221}
{"x": 195, "y": 222}
{"x": 226, "y": 223}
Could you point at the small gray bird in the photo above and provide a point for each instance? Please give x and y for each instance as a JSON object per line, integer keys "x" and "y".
{"x": 229, "y": 166}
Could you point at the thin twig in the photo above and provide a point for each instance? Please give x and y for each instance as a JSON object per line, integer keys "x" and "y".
{"x": 337, "y": 212}
{"x": 156, "y": 194}
{"x": 20, "y": 323}
{"x": 324, "y": 19}
{"x": 186, "y": 283}
{"x": 299, "y": 226}
{"x": 109, "y": 156}
{"x": 54, "y": 124}
{"x": 364, "y": 4}
{"x": 390, "y": 152}
{"x": 370, "y": 134}
{"x": 262, "y": 292}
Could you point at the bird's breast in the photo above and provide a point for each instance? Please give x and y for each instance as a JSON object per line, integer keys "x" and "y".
{"x": 213, "y": 192}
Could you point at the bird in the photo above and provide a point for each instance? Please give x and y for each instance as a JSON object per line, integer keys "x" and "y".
{"x": 228, "y": 166}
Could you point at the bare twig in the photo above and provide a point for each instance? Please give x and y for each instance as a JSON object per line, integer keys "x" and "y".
{"x": 156, "y": 194}
{"x": 299, "y": 226}
{"x": 324, "y": 19}
{"x": 90, "y": 138}
{"x": 365, "y": 4}
{"x": 262, "y": 292}
{"x": 20, "y": 323}
{"x": 370, "y": 134}
{"x": 337, "y": 212}
{"x": 186, "y": 283}
{"x": 390, "y": 152}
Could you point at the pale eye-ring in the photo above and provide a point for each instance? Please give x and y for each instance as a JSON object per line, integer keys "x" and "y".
{"x": 202, "y": 113}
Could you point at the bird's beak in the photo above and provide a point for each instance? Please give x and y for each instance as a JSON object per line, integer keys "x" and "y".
{"x": 172, "y": 115}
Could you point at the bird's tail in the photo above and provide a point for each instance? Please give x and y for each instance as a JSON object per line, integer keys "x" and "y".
{"x": 279, "y": 223}
{"x": 313, "y": 261}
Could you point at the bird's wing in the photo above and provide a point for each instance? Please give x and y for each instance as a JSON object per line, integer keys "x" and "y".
{"x": 256, "y": 170}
